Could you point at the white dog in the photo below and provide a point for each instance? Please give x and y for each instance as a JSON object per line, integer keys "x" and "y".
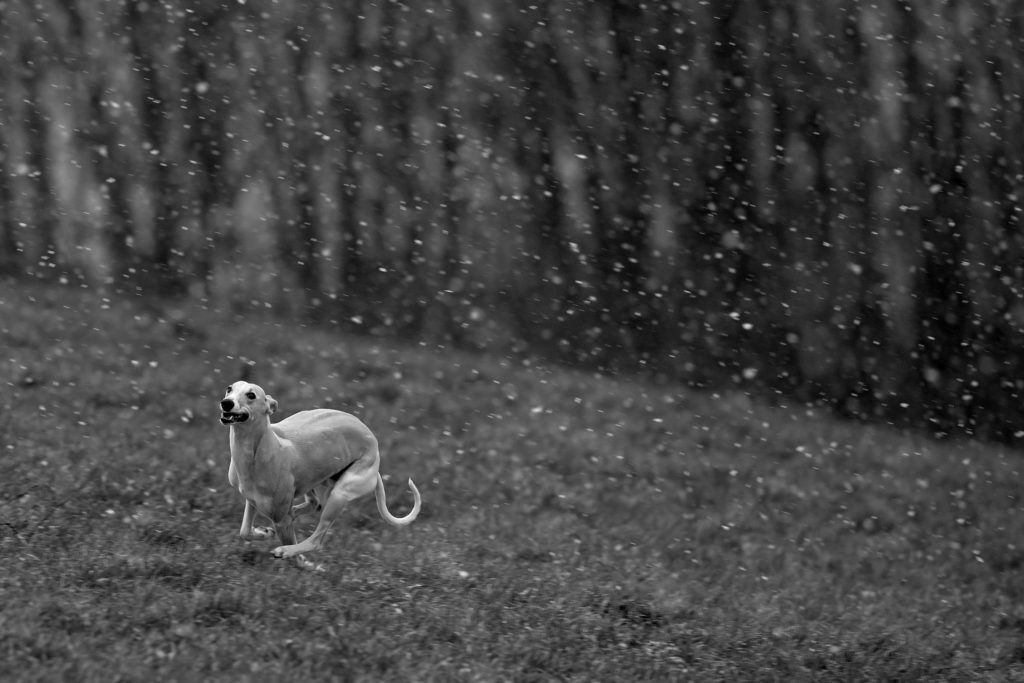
{"x": 328, "y": 456}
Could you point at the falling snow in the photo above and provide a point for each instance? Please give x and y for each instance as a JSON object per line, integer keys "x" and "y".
{"x": 810, "y": 200}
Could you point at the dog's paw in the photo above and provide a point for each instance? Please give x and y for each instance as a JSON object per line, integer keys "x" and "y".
{"x": 302, "y": 563}
{"x": 282, "y": 552}
{"x": 300, "y": 560}
{"x": 257, "y": 533}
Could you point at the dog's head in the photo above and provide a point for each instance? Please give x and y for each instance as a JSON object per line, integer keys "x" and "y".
{"x": 244, "y": 401}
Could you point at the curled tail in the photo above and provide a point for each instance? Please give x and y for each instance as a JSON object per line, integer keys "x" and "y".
{"x": 382, "y": 504}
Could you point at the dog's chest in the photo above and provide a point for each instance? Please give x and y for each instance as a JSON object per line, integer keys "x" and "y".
{"x": 260, "y": 480}
{"x": 255, "y": 480}
{"x": 262, "y": 491}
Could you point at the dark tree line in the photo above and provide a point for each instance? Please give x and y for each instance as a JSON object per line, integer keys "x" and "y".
{"x": 817, "y": 198}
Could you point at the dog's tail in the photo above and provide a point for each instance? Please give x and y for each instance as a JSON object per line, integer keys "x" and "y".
{"x": 382, "y": 504}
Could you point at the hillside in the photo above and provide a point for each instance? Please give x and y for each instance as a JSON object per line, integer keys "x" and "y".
{"x": 574, "y": 527}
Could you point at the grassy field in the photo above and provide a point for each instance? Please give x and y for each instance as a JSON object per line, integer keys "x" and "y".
{"x": 574, "y": 527}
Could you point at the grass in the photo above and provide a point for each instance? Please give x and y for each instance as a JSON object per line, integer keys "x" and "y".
{"x": 574, "y": 527}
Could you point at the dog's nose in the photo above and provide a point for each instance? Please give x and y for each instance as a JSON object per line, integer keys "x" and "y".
{"x": 227, "y": 404}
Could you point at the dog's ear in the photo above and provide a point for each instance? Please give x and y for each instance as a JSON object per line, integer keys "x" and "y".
{"x": 271, "y": 405}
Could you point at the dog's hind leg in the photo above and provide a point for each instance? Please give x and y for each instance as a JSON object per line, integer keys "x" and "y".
{"x": 355, "y": 483}
{"x": 308, "y": 501}
{"x": 313, "y": 501}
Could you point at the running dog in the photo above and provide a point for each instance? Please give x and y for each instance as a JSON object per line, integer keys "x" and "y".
{"x": 329, "y": 457}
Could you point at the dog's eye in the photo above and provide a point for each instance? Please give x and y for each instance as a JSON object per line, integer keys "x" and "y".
{"x": 251, "y": 396}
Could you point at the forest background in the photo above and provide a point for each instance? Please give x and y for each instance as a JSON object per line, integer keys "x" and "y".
{"x": 815, "y": 199}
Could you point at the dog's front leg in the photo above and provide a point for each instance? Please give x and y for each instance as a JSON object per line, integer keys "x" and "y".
{"x": 248, "y": 531}
{"x": 286, "y": 533}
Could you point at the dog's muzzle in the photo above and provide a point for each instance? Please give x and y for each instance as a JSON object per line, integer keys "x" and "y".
{"x": 228, "y": 416}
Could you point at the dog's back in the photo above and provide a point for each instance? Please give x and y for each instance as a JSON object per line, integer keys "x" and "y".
{"x": 326, "y": 429}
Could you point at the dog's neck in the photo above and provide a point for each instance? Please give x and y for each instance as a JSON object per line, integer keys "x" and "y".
{"x": 246, "y": 439}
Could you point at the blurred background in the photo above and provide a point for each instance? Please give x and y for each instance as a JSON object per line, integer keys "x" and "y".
{"x": 815, "y": 200}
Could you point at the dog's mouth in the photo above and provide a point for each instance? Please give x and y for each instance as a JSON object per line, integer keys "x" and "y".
{"x": 232, "y": 418}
